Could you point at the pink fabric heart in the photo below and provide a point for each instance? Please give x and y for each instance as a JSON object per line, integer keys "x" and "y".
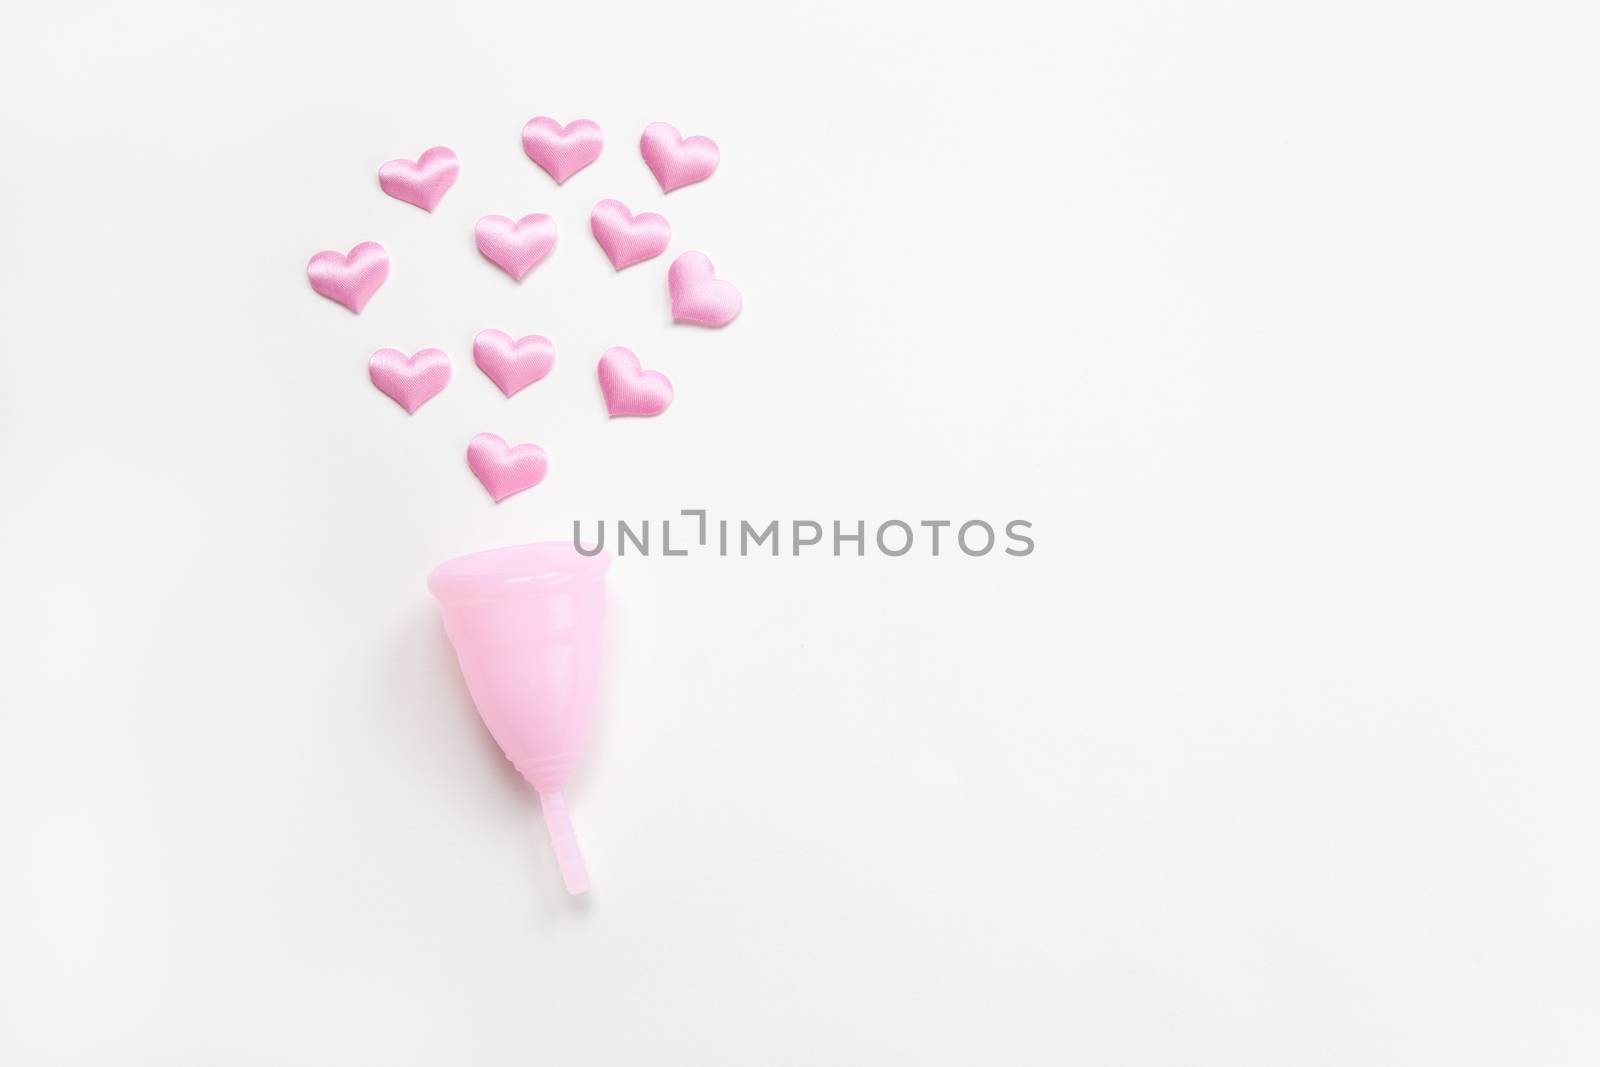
{"x": 349, "y": 279}
{"x": 629, "y": 389}
{"x": 512, "y": 365}
{"x": 698, "y": 295}
{"x": 424, "y": 182}
{"x": 677, "y": 161}
{"x": 562, "y": 150}
{"x": 409, "y": 381}
{"x": 515, "y": 247}
{"x": 627, "y": 238}
{"x": 505, "y": 470}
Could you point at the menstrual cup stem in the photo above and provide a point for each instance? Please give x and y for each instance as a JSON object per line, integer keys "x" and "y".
{"x": 568, "y": 857}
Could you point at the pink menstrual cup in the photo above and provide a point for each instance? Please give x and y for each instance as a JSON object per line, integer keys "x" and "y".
{"x": 525, "y": 623}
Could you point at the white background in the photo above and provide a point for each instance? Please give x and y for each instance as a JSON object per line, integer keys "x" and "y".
{"x": 1279, "y": 322}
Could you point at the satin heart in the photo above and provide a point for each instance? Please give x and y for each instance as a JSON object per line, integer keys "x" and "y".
{"x": 349, "y": 279}
{"x": 698, "y": 295}
{"x": 515, "y": 247}
{"x": 627, "y": 238}
{"x": 677, "y": 161}
{"x": 505, "y": 470}
{"x": 562, "y": 150}
{"x": 629, "y": 389}
{"x": 424, "y": 182}
{"x": 512, "y": 365}
{"x": 409, "y": 381}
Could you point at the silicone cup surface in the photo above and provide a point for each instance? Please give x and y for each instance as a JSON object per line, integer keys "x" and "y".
{"x": 526, "y": 626}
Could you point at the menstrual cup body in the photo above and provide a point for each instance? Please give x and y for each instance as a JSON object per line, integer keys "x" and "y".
{"x": 526, "y": 626}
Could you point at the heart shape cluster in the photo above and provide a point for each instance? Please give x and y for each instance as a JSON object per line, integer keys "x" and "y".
{"x": 516, "y": 246}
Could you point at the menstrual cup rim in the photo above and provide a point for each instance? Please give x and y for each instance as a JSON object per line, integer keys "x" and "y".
{"x": 490, "y": 572}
